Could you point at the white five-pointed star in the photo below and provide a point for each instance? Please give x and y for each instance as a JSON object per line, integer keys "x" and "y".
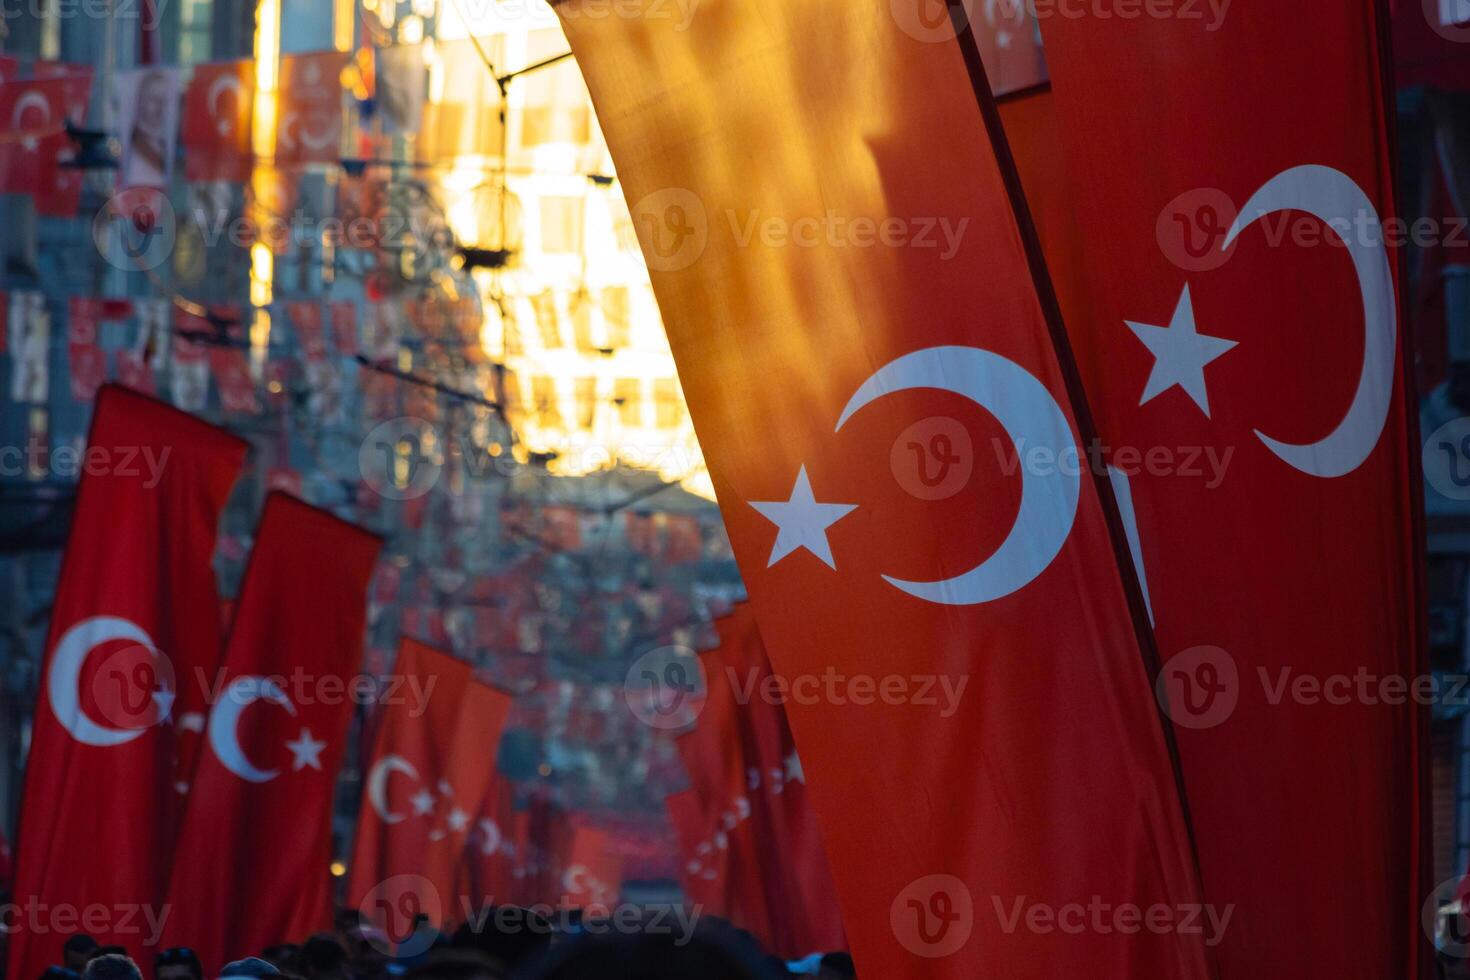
{"x": 458, "y": 820}
{"x": 1180, "y": 354}
{"x": 794, "y": 773}
{"x": 802, "y": 521}
{"x": 306, "y": 751}
{"x": 423, "y": 802}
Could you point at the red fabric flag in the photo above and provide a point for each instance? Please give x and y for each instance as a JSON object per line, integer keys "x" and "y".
{"x": 58, "y": 191}
{"x": 136, "y": 613}
{"x": 1241, "y": 342}
{"x": 433, "y": 764}
{"x": 232, "y": 374}
{"x": 592, "y": 874}
{"x": 306, "y": 317}
{"x": 215, "y": 132}
{"x": 490, "y": 856}
{"x": 257, "y": 830}
{"x": 717, "y": 758}
{"x": 799, "y": 881}
{"x": 311, "y": 108}
{"x": 37, "y": 110}
{"x": 895, "y": 440}
{"x": 703, "y": 865}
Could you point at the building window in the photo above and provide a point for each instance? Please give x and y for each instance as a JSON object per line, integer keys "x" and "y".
{"x": 616, "y": 314}
{"x": 561, "y": 225}
{"x": 543, "y": 394}
{"x": 586, "y": 402}
{"x": 628, "y": 395}
{"x": 668, "y": 406}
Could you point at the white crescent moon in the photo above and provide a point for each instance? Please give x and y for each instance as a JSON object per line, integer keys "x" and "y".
{"x": 25, "y": 101}
{"x": 1336, "y": 199}
{"x": 377, "y": 784}
{"x": 1031, "y": 417}
{"x": 573, "y": 879}
{"x": 224, "y": 723}
{"x": 216, "y": 89}
{"x": 66, "y": 670}
{"x": 329, "y": 136}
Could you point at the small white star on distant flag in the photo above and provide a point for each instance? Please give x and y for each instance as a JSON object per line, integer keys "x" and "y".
{"x": 802, "y": 522}
{"x": 794, "y": 773}
{"x": 306, "y": 751}
{"x": 1180, "y": 354}
{"x": 458, "y": 820}
{"x": 423, "y": 802}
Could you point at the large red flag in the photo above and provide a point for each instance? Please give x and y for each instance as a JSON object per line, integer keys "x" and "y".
{"x": 894, "y": 439}
{"x": 432, "y": 765}
{"x": 251, "y": 865}
{"x": 136, "y": 613}
{"x": 1242, "y": 345}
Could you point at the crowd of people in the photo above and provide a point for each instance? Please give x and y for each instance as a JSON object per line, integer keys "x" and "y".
{"x": 520, "y": 946}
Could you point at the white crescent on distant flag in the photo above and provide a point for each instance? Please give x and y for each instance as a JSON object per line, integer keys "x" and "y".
{"x": 224, "y": 723}
{"x": 377, "y": 784}
{"x": 217, "y": 88}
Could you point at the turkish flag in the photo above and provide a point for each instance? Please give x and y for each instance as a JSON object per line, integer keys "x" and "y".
{"x": 310, "y": 128}
{"x": 799, "y": 881}
{"x": 432, "y": 765}
{"x": 257, "y": 829}
{"x": 37, "y": 110}
{"x": 1241, "y": 342}
{"x": 136, "y": 614}
{"x": 895, "y": 441}
{"x": 717, "y": 758}
{"x": 592, "y": 874}
{"x": 703, "y": 867}
{"x": 58, "y": 190}
{"x": 489, "y": 858}
{"x": 215, "y": 132}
